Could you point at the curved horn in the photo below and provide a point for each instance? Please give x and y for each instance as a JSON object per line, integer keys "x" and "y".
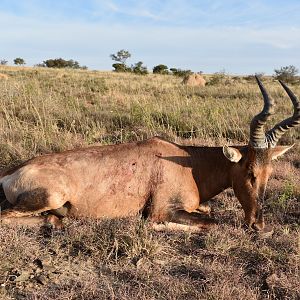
{"x": 257, "y": 134}
{"x": 279, "y": 129}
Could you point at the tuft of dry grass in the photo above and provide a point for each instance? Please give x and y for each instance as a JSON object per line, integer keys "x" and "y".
{"x": 43, "y": 110}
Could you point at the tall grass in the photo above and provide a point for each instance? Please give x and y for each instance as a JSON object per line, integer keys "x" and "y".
{"x": 51, "y": 110}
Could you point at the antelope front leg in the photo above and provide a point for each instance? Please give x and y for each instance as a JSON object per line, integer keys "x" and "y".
{"x": 182, "y": 220}
{"x": 204, "y": 209}
{"x": 191, "y": 219}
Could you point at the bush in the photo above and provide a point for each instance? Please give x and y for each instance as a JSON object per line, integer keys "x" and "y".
{"x": 217, "y": 78}
{"x": 180, "y": 73}
{"x": 40, "y": 65}
{"x": 61, "y": 63}
{"x": 160, "y": 69}
{"x": 3, "y": 62}
{"x": 138, "y": 68}
{"x": 19, "y": 61}
{"x": 286, "y": 74}
{"x": 118, "y": 67}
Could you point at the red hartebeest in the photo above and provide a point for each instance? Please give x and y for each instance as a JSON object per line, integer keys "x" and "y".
{"x": 163, "y": 179}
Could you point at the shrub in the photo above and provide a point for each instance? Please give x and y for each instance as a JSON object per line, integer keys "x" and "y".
{"x": 3, "y": 62}
{"x": 160, "y": 69}
{"x": 118, "y": 67}
{"x": 40, "y": 65}
{"x": 217, "y": 78}
{"x": 61, "y": 63}
{"x": 180, "y": 73}
{"x": 286, "y": 74}
{"x": 138, "y": 68}
{"x": 19, "y": 61}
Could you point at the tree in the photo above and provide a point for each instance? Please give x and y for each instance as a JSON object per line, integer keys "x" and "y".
{"x": 138, "y": 68}
{"x": 19, "y": 61}
{"x": 3, "y": 62}
{"x": 160, "y": 69}
{"x": 121, "y": 56}
{"x": 287, "y": 73}
{"x": 61, "y": 63}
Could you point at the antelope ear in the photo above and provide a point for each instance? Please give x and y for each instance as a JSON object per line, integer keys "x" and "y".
{"x": 280, "y": 150}
{"x": 232, "y": 154}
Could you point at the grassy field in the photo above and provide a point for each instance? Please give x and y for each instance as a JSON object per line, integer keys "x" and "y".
{"x": 44, "y": 110}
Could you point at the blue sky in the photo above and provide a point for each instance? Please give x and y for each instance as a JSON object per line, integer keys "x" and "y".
{"x": 242, "y": 37}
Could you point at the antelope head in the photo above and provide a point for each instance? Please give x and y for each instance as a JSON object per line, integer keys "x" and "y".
{"x": 252, "y": 167}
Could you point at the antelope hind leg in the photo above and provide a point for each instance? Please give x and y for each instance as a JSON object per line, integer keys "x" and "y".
{"x": 29, "y": 221}
{"x": 13, "y": 217}
{"x": 31, "y": 203}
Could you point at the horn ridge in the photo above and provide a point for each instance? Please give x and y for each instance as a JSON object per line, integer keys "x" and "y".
{"x": 280, "y": 128}
{"x": 258, "y": 137}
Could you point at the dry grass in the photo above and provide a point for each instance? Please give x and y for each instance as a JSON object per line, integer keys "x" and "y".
{"x": 51, "y": 110}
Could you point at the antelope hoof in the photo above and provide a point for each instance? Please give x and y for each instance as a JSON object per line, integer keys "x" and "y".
{"x": 258, "y": 226}
{"x": 261, "y": 229}
{"x": 204, "y": 209}
{"x": 266, "y": 232}
{"x": 55, "y": 222}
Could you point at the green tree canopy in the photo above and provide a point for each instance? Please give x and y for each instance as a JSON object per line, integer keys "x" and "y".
{"x": 19, "y": 61}
{"x": 121, "y": 56}
{"x": 62, "y": 63}
{"x": 160, "y": 69}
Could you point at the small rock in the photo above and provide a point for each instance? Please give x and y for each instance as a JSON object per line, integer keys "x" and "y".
{"x": 272, "y": 281}
{"x": 24, "y": 276}
{"x": 160, "y": 262}
{"x": 48, "y": 268}
{"x": 143, "y": 263}
{"x": 265, "y": 233}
